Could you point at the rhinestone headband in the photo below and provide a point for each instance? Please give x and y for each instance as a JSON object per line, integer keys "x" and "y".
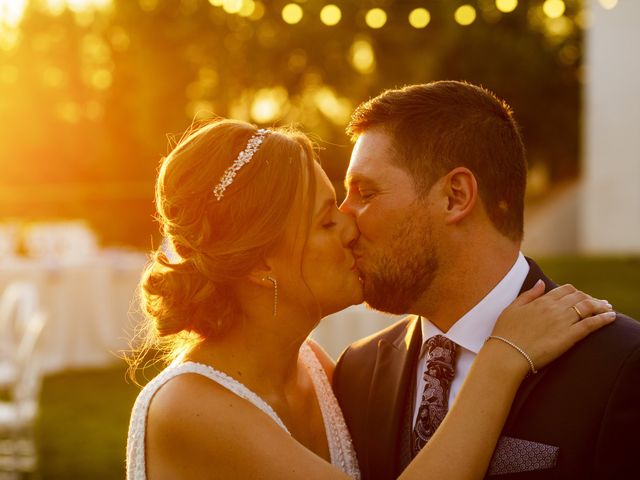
{"x": 243, "y": 158}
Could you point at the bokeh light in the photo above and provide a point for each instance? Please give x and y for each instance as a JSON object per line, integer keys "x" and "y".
{"x": 11, "y": 13}
{"x": 330, "y": 15}
{"x": 336, "y": 109}
{"x": 608, "y": 4}
{"x": 292, "y": 13}
{"x": 419, "y": 17}
{"x": 465, "y": 15}
{"x": 232, "y": 6}
{"x": 376, "y": 18}
{"x": 248, "y": 8}
{"x": 268, "y": 104}
{"x": 363, "y": 58}
{"x": 553, "y": 8}
{"x": 506, "y": 6}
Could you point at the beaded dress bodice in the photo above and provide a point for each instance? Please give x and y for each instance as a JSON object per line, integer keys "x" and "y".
{"x": 338, "y": 438}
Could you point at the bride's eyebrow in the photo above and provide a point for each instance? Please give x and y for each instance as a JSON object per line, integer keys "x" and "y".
{"x": 326, "y": 205}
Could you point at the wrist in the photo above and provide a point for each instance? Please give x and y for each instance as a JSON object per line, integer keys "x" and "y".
{"x": 505, "y": 360}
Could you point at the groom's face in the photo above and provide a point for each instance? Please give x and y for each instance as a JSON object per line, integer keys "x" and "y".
{"x": 395, "y": 252}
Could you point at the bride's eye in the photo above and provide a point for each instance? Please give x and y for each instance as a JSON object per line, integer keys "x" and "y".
{"x": 328, "y": 225}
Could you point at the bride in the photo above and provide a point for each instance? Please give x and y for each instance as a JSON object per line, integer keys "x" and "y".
{"x": 264, "y": 255}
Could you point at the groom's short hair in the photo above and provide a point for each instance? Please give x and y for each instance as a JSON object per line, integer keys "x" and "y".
{"x": 438, "y": 126}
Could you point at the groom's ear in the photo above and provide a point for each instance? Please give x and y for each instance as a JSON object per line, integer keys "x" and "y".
{"x": 461, "y": 191}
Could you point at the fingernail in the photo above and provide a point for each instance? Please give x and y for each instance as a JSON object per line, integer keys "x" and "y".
{"x": 539, "y": 282}
{"x": 610, "y": 315}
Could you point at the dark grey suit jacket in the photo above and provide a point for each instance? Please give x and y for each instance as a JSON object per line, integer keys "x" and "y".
{"x": 586, "y": 403}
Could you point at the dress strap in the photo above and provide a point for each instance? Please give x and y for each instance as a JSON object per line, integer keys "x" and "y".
{"x": 343, "y": 454}
{"x": 230, "y": 384}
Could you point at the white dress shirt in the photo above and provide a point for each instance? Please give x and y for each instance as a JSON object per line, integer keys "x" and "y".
{"x": 471, "y": 330}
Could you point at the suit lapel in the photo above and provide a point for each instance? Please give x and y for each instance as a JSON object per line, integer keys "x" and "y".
{"x": 529, "y": 383}
{"x": 387, "y": 397}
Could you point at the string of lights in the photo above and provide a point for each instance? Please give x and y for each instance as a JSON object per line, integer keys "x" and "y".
{"x": 378, "y": 16}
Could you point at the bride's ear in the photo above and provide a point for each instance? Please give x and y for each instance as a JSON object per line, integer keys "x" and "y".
{"x": 261, "y": 273}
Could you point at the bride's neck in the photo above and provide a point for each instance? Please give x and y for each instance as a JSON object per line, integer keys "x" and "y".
{"x": 260, "y": 352}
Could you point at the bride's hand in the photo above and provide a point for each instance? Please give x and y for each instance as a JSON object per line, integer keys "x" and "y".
{"x": 547, "y": 326}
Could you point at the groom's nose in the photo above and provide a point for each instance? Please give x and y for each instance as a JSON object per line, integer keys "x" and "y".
{"x": 345, "y": 206}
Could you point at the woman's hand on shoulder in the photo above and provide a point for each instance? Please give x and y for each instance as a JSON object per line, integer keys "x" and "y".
{"x": 546, "y": 326}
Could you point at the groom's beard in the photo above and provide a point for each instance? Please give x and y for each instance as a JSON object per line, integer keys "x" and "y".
{"x": 397, "y": 277}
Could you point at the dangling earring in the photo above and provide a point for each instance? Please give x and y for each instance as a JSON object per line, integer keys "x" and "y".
{"x": 275, "y": 294}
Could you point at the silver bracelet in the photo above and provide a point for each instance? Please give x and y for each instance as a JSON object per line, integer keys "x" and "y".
{"x": 524, "y": 354}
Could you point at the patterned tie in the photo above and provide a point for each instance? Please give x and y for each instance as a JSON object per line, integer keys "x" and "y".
{"x": 441, "y": 355}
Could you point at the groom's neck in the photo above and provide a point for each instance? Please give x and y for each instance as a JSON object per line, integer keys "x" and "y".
{"x": 462, "y": 283}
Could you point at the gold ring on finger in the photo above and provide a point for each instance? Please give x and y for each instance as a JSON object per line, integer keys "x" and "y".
{"x": 575, "y": 308}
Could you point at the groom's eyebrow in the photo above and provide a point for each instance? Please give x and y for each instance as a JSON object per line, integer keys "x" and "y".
{"x": 355, "y": 179}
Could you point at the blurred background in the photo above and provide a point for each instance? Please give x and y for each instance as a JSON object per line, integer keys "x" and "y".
{"x": 94, "y": 92}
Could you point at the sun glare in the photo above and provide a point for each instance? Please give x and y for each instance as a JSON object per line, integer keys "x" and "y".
{"x": 11, "y": 12}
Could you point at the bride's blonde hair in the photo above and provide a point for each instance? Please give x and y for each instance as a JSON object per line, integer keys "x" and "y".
{"x": 218, "y": 242}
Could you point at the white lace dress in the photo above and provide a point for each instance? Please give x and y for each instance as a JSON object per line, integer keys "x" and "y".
{"x": 340, "y": 446}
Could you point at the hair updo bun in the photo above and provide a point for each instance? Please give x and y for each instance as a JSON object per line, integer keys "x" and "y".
{"x": 218, "y": 242}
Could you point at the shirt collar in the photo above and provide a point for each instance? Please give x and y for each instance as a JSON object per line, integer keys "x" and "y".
{"x": 471, "y": 330}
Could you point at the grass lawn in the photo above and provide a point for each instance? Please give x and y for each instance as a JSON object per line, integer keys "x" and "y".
{"x": 83, "y": 424}
{"x": 613, "y": 279}
{"x": 85, "y": 414}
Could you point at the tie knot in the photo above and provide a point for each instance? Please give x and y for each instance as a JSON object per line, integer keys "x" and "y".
{"x": 439, "y": 345}
{"x": 441, "y": 355}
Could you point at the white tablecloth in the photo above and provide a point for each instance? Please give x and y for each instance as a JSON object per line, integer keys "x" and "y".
{"x": 90, "y": 305}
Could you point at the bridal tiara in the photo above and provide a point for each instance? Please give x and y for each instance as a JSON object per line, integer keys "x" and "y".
{"x": 243, "y": 158}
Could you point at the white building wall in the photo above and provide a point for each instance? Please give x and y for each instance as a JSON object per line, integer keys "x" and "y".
{"x": 610, "y": 213}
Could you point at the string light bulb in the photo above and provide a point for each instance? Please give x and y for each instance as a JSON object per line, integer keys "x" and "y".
{"x": 292, "y": 13}
{"x": 376, "y": 18}
{"x": 330, "y": 15}
{"x": 419, "y": 18}
{"x": 553, "y": 8}
{"x": 506, "y": 6}
{"x": 465, "y": 15}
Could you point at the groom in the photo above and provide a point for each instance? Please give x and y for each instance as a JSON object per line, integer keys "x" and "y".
{"x": 436, "y": 185}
